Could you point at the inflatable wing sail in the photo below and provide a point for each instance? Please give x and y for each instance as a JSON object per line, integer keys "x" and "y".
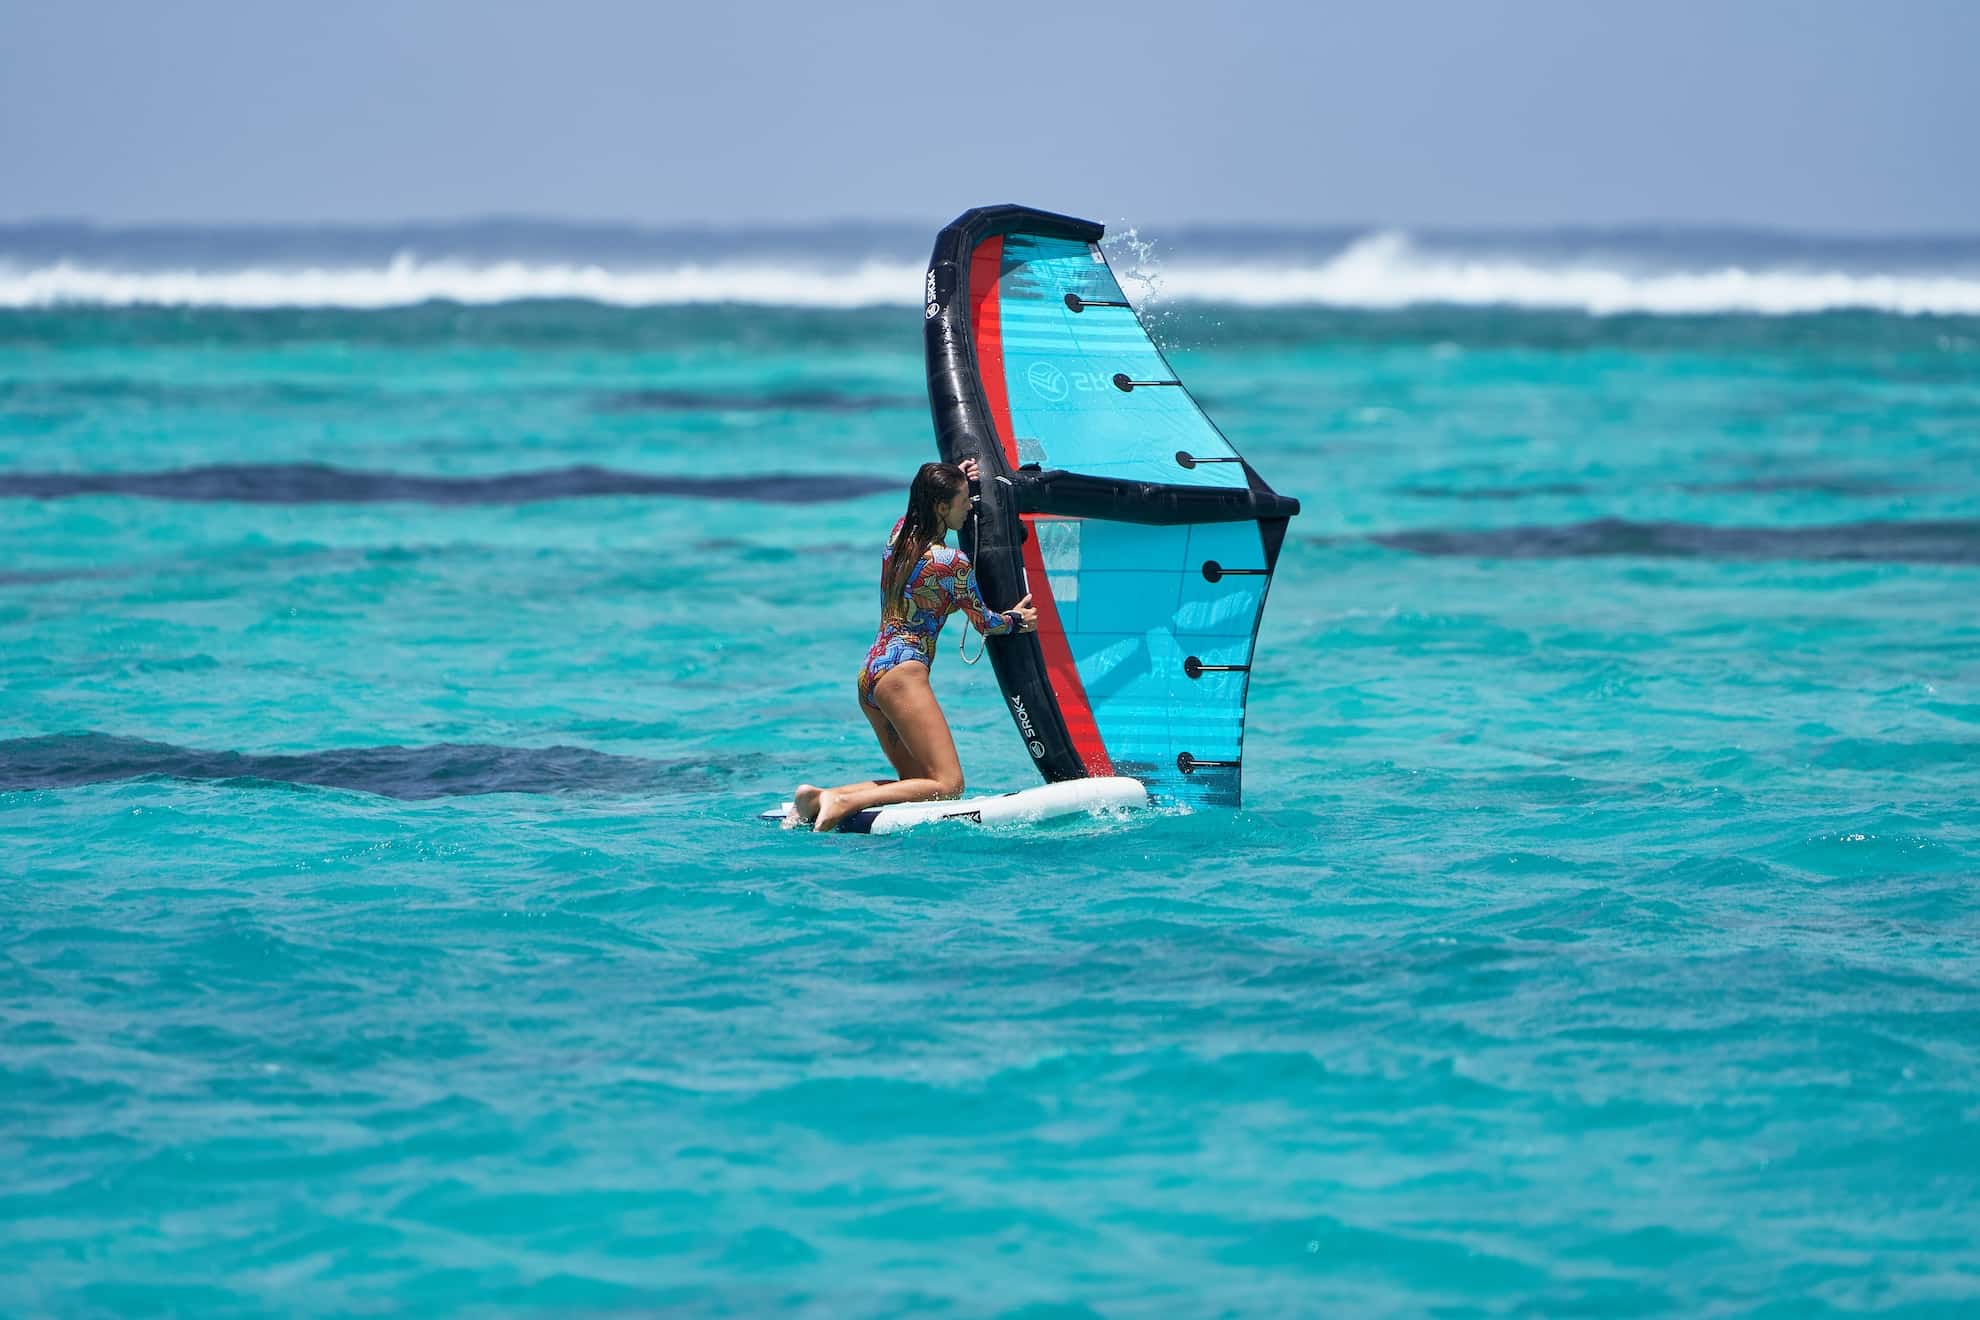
{"x": 1145, "y": 541}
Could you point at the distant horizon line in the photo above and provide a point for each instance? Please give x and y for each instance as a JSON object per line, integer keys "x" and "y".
{"x": 498, "y": 220}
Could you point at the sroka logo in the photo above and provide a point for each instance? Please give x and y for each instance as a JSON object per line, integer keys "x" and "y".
{"x": 1037, "y": 750}
{"x": 928, "y": 296}
{"x": 1048, "y": 382}
{"x": 1024, "y": 722}
{"x": 1053, "y": 385}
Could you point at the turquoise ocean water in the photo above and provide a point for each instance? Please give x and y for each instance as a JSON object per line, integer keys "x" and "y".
{"x": 383, "y": 926}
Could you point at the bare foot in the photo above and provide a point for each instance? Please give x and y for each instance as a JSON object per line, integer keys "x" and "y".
{"x": 804, "y": 802}
{"x": 831, "y": 810}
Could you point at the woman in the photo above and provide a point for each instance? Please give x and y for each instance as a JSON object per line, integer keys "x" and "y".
{"x": 922, "y": 582}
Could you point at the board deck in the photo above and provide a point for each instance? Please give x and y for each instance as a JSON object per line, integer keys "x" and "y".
{"x": 1024, "y": 807}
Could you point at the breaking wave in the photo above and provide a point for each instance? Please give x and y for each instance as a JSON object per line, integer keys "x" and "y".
{"x": 407, "y": 280}
{"x": 1389, "y": 271}
{"x": 1657, "y": 275}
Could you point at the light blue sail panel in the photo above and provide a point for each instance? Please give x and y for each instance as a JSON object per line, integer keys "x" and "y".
{"x": 1136, "y": 607}
{"x": 1059, "y": 369}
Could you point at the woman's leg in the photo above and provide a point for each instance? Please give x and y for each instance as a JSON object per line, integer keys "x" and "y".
{"x": 906, "y": 766}
{"x": 909, "y": 705}
{"x": 805, "y": 801}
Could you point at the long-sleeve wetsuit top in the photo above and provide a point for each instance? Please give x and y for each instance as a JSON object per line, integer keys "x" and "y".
{"x": 941, "y": 584}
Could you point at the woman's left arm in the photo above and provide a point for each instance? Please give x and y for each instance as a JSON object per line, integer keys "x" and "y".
{"x": 989, "y": 622}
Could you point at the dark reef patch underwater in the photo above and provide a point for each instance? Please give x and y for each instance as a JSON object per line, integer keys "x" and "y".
{"x": 1942, "y": 541}
{"x": 409, "y": 773}
{"x": 318, "y": 483}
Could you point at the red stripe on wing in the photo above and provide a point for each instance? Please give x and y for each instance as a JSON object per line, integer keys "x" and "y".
{"x": 1060, "y": 671}
{"x": 987, "y": 327}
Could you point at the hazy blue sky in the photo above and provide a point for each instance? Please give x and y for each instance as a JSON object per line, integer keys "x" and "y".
{"x": 1815, "y": 115}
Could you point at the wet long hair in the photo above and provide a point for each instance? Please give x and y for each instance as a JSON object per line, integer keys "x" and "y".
{"x": 933, "y": 484}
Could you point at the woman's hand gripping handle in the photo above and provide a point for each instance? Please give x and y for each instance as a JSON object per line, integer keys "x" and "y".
{"x": 1027, "y": 617}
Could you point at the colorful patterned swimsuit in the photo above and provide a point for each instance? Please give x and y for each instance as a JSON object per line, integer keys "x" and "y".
{"x": 941, "y": 584}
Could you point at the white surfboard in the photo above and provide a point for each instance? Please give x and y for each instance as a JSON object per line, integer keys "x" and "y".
{"x": 1025, "y": 807}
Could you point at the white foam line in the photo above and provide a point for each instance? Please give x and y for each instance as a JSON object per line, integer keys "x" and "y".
{"x": 1381, "y": 271}
{"x": 408, "y": 280}
{"x": 1385, "y": 271}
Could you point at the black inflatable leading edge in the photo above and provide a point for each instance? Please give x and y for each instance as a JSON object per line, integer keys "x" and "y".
{"x": 963, "y": 429}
